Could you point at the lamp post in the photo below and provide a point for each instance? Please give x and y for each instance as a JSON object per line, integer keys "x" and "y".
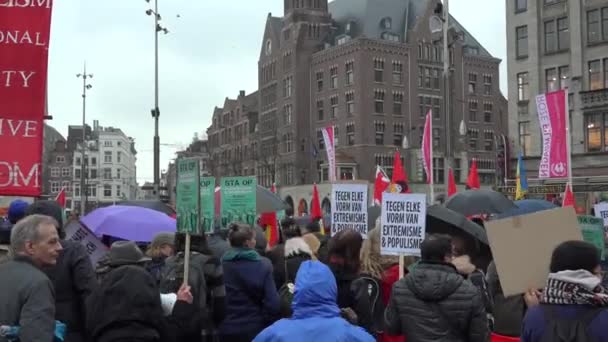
{"x": 83, "y": 190}
{"x": 156, "y": 110}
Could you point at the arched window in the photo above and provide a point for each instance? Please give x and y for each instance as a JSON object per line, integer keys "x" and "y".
{"x": 386, "y": 23}
{"x": 289, "y": 201}
{"x": 302, "y": 208}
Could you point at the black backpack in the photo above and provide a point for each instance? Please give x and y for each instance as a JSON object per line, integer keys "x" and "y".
{"x": 558, "y": 329}
{"x": 173, "y": 277}
{"x": 374, "y": 290}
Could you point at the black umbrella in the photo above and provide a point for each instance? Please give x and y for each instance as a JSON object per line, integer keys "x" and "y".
{"x": 154, "y": 205}
{"x": 441, "y": 220}
{"x": 475, "y": 202}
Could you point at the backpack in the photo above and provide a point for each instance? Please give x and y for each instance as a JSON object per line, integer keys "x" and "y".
{"x": 375, "y": 299}
{"x": 173, "y": 277}
{"x": 286, "y": 293}
{"x": 558, "y": 329}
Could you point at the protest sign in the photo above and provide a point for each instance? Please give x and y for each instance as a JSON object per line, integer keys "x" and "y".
{"x": 74, "y": 231}
{"x": 349, "y": 208}
{"x": 522, "y": 246}
{"x": 403, "y": 223}
{"x": 592, "y": 229}
{"x": 188, "y": 196}
{"x": 601, "y": 211}
{"x": 207, "y": 189}
{"x": 238, "y": 200}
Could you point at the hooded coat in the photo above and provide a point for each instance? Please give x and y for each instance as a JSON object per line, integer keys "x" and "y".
{"x": 435, "y": 303}
{"x": 316, "y": 316}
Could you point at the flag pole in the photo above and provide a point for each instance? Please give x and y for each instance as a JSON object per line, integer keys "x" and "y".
{"x": 568, "y": 138}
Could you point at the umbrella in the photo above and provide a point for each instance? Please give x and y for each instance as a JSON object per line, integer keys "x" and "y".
{"x": 474, "y": 202}
{"x": 154, "y": 205}
{"x": 524, "y": 207}
{"x": 440, "y": 219}
{"x": 266, "y": 201}
{"x": 129, "y": 223}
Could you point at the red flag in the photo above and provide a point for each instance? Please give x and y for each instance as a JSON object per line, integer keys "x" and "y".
{"x": 315, "y": 211}
{"x": 568, "y": 197}
{"x": 269, "y": 220}
{"x": 399, "y": 179}
{"x": 382, "y": 183}
{"x": 61, "y": 198}
{"x": 553, "y": 118}
{"x": 473, "y": 180}
{"x": 427, "y": 147}
{"x": 451, "y": 184}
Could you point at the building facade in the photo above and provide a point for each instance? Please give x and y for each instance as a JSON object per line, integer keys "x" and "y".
{"x": 59, "y": 167}
{"x": 372, "y": 70}
{"x": 554, "y": 45}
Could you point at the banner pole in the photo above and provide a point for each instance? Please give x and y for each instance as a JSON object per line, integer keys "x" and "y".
{"x": 568, "y": 138}
{"x": 187, "y": 259}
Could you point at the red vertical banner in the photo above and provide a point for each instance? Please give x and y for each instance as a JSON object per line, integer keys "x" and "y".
{"x": 328, "y": 137}
{"x": 24, "y": 45}
{"x": 427, "y": 147}
{"x": 552, "y": 118}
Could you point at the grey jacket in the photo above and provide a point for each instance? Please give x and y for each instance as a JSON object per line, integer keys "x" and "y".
{"x": 435, "y": 303}
{"x": 27, "y": 299}
{"x": 4, "y": 253}
{"x": 509, "y": 312}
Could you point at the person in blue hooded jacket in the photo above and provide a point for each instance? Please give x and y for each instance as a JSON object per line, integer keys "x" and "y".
{"x": 316, "y": 316}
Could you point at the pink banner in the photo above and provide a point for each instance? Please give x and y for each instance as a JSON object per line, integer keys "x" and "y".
{"x": 328, "y": 137}
{"x": 427, "y": 147}
{"x": 552, "y": 118}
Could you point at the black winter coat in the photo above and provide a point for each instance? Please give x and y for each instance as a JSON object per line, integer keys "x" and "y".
{"x": 74, "y": 280}
{"x": 352, "y": 293}
{"x": 435, "y": 303}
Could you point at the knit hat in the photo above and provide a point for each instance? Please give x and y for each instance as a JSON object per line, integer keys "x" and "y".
{"x": 16, "y": 210}
{"x": 126, "y": 253}
{"x": 163, "y": 238}
{"x": 573, "y": 256}
{"x": 48, "y": 208}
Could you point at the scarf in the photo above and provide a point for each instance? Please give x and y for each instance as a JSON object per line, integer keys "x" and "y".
{"x": 578, "y": 287}
{"x": 241, "y": 254}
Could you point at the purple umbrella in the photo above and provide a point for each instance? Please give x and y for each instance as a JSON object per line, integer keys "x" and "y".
{"x": 129, "y": 223}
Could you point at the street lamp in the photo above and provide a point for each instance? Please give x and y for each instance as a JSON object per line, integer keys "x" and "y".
{"x": 85, "y": 87}
{"x": 156, "y": 111}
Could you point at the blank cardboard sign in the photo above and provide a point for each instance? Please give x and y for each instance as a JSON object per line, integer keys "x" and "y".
{"x": 522, "y": 246}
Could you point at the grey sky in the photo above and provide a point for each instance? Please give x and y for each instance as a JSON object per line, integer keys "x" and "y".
{"x": 211, "y": 52}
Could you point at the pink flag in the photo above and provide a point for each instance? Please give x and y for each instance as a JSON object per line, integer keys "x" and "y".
{"x": 328, "y": 138}
{"x": 427, "y": 147}
{"x": 552, "y": 118}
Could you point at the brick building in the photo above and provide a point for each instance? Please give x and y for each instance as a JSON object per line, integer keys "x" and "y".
{"x": 372, "y": 69}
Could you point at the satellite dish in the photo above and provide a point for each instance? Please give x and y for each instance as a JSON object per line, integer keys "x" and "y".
{"x": 435, "y": 24}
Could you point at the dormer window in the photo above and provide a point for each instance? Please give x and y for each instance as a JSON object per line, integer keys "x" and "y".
{"x": 350, "y": 27}
{"x": 386, "y": 23}
{"x": 390, "y": 36}
{"x": 268, "y": 47}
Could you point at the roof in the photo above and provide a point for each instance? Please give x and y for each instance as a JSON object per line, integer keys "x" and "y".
{"x": 251, "y": 102}
{"x": 367, "y": 17}
{"x": 276, "y": 24}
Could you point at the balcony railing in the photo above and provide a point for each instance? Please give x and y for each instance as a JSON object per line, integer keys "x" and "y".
{"x": 594, "y": 98}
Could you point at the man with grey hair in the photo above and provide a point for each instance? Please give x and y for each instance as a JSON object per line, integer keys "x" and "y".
{"x": 27, "y": 297}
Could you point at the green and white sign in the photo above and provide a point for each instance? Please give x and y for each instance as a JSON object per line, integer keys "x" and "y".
{"x": 188, "y": 196}
{"x": 592, "y": 229}
{"x": 238, "y": 200}
{"x": 207, "y": 203}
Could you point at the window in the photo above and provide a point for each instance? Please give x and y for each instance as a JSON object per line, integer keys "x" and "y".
{"x": 398, "y": 134}
{"x": 119, "y": 144}
{"x": 435, "y": 75}
{"x": 350, "y": 134}
{"x": 77, "y": 173}
{"x": 563, "y": 34}
{"x": 487, "y": 112}
{"x": 472, "y": 83}
{"x": 320, "y": 81}
{"x": 333, "y": 111}
{"x": 55, "y": 172}
{"x": 473, "y": 111}
{"x": 521, "y": 36}
{"x": 78, "y": 161}
{"x": 287, "y": 114}
{"x": 379, "y": 101}
{"x": 287, "y": 86}
{"x": 55, "y": 187}
{"x": 347, "y": 173}
{"x": 522, "y": 109}
{"x": 397, "y": 72}
{"x": 60, "y": 159}
{"x": 336, "y": 135}
{"x": 473, "y": 138}
{"x": 107, "y": 157}
{"x": 523, "y": 86}
{"x": 94, "y": 161}
{"x": 436, "y": 108}
{"x": 557, "y": 35}
{"x": 594, "y": 34}
{"x": 350, "y": 104}
{"x": 436, "y": 137}
{"x": 77, "y": 191}
{"x": 521, "y": 5}
{"x": 428, "y": 103}
{"x": 67, "y": 186}
{"x": 489, "y": 140}
{"x": 287, "y": 34}
{"x": 487, "y": 84}
{"x": 107, "y": 143}
{"x": 350, "y": 73}
{"x": 289, "y": 146}
{"x": 107, "y": 190}
{"x": 595, "y": 75}
{"x": 320, "y": 115}
{"x": 378, "y": 70}
{"x": 118, "y": 156}
{"x": 564, "y": 75}
{"x": 118, "y": 191}
{"x": 66, "y": 172}
{"x": 320, "y": 140}
{"x": 551, "y": 82}
{"x": 118, "y": 173}
{"x": 593, "y": 134}
{"x": 438, "y": 170}
{"x": 397, "y": 103}
{"x": 107, "y": 173}
{"x": 380, "y": 128}
{"x": 93, "y": 173}
{"x": 427, "y": 78}
{"x": 343, "y": 40}
{"x": 550, "y": 36}
{"x": 333, "y": 75}
{"x": 525, "y": 138}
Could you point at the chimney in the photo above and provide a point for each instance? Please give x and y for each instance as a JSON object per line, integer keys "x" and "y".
{"x": 242, "y": 93}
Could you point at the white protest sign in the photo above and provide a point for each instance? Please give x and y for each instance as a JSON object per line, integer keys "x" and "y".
{"x": 349, "y": 208}
{"x": 403, "y": 223}
{"x": 601, "y": 211}
{"x": 95, "y": 248}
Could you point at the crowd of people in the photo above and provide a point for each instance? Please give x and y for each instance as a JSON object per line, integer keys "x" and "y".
{"x": 308, "y": 287}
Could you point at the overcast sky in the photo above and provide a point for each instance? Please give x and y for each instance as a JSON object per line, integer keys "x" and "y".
{"x": 211, "y": 52}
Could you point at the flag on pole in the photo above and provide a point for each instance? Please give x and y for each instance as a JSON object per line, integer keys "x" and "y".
{"x": 568, "y": 200}
{"x": 451, "y": 184}
{"x": 399, "y": 178}
{"x": 553, "y": 120}
{"x": 427, "y": 147}
{"x": 60, "y": 199}
{"x": 381, "y": 185}
{"x": 520, "y": 179}
{"x": 269, "y": 220}
{"x": 473, "y": 179}
{"x": 315, "y": 211}
{"x": 328, "y": 138}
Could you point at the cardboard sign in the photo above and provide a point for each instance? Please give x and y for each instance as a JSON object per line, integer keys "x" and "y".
{"x": 207, "y": 214}
{"x": 522, "y": 246}
{"x": 349, "y": 208}
{"x": 74, "y": 231}
{"x": 403, "y": 223}
{"x": 592, "y": 229}
{"x": 238, "y": 200}
{"x": 601, "y": 211}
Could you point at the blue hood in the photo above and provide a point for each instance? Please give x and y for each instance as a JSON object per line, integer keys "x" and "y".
{"x": 316, "y": 292}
